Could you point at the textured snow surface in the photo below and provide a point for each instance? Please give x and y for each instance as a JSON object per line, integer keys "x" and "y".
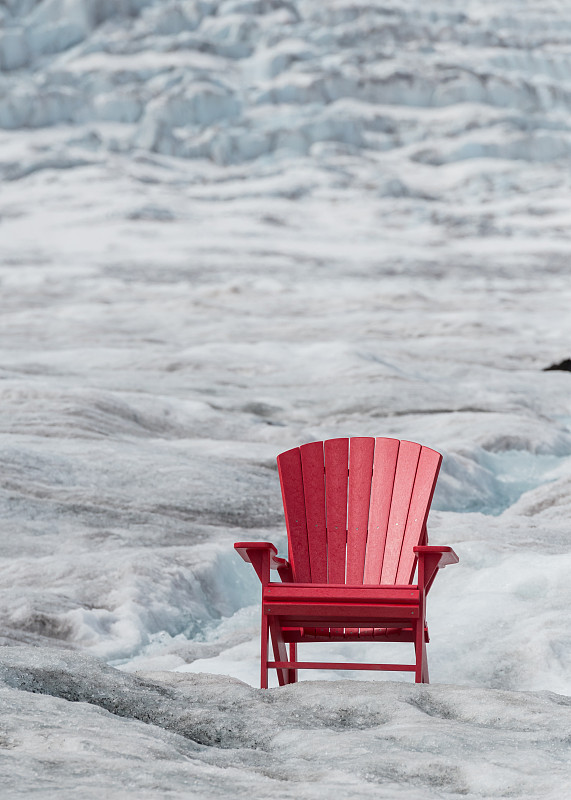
{"x": 227, "y": 228}
{"x": 212, "y": 736}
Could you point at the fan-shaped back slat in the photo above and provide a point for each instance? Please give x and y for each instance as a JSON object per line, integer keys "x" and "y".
{"x": 336, "y": 473}
{"x": 384, "y": 466}
{"x": 361, "y": 450}
{"x": 424, "y": 483}
{"x": 291, "y": 479}
{"x": 314, "y": 490}
{"x": 405, "y": 472}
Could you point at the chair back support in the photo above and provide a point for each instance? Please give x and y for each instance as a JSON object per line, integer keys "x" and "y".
{"x": 356, "y": 507}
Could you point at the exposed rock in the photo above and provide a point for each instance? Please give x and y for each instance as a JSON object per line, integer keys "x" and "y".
{"x": 563, "y": 366}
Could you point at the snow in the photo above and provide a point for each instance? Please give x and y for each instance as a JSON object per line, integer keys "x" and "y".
{"x": 227, "y": 228}
{"x": 210, "y": 736}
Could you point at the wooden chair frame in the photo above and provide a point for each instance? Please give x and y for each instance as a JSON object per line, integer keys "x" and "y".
{"x": 356, "y": 515}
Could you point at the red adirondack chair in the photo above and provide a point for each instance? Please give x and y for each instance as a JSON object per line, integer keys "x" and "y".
{"x": 356, "y": 513}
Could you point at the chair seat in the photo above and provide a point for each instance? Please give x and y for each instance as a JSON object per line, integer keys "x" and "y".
{"x": 346, "y": 592}
{"x": 341, "y": 606}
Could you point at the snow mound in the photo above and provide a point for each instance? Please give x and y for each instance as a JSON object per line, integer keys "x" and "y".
{"x": 221, "y": 735}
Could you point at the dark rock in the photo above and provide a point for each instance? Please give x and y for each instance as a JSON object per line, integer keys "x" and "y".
{"x": 565, "y": 365}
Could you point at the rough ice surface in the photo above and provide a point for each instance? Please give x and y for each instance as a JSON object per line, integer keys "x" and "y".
{"x": 213, "y": 736}
{"x": 227, "y": 228}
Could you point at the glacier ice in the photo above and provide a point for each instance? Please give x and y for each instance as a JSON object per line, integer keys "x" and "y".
{"x": 227, "y": 228}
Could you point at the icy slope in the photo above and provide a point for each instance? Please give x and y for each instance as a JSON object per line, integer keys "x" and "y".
{"x": 228, "y": 228}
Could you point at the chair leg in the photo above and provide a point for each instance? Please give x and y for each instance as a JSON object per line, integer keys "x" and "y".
{"x": 425, "y": 678}
{"x": 264, "y": 654}
{"x": 421, "y": 671}
{"x": 279, "y": 648}
{"x": 292, "y": 673}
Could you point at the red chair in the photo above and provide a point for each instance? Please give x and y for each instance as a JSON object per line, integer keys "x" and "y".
{"x": 356, "y": 513}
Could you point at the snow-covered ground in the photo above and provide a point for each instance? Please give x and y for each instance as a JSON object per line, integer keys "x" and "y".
{"x": 227, "y": 228}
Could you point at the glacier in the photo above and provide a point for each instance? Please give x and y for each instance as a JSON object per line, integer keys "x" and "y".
{"x": 227, "y": 228}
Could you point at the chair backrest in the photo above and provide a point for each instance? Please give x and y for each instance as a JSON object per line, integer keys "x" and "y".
{"x": 355, "y": 508}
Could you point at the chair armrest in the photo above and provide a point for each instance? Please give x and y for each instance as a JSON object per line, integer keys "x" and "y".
{"x": 431, "y": 558}
{"x": 447, "y": 554}
{"x": 263, "y": 557}
{"x": 245, "y": 548}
